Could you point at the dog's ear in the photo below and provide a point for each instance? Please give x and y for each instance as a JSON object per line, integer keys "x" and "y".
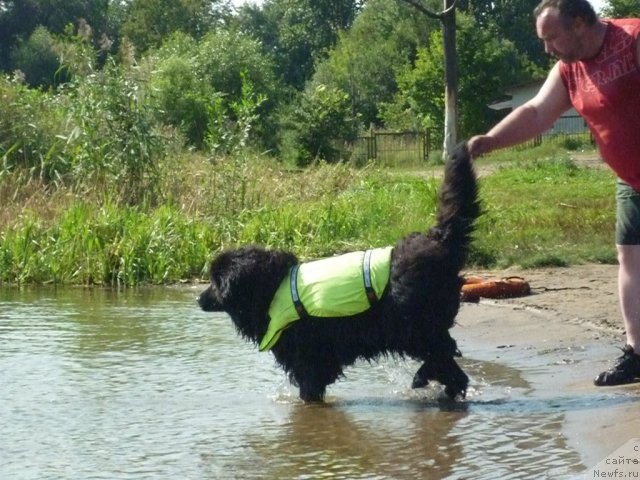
{"x": 222, "y": 277}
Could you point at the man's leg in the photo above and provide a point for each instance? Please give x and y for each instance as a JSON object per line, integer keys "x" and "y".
{"x": 626, "y": 368}
{"x": 629, "y": 292}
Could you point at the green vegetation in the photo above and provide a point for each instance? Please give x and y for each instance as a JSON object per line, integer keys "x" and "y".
{"x": 138, "y": 138}
{"x": 545, "y": 211}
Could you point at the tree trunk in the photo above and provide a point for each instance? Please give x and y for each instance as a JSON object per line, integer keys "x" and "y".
{"x": 451, "y": 78}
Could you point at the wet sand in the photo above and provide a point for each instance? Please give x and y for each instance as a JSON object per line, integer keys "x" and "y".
{"x": 562, "y": 335}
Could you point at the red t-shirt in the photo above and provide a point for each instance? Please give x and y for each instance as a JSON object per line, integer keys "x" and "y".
{"x": 605, "y": 90}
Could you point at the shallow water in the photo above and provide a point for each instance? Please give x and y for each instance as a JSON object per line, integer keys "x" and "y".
{"x": 96, "y": 384}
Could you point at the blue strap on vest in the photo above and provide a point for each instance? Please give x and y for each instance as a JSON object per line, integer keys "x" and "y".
{"x": 295, "y": 296}
{"x": 366, "y": 271}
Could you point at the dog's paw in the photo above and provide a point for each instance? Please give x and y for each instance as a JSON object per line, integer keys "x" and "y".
{"x": 455, "y": 391}
{"x": 447, "y": 372}
{"x": 456, "y": 383}
{"x": 419, "y": 381}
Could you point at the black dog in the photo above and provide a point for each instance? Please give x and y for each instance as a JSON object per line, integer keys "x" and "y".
{"x": 411, "y": 318}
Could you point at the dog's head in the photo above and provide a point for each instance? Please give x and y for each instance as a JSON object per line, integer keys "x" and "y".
{"x": 243, "y": 282}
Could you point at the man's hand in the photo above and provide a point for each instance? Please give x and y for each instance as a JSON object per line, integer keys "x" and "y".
{"x": 480, "y": 144}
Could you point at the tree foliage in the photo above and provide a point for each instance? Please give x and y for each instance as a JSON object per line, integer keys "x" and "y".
{"x": 370, "y": 79}
{"x": 486, "y": 66}
{"x": 148, "y": 23}
{"x": 317, "y": 127}
{"x": 512, "y": 20}
{"x": 297, "y": 33}
{"x": 622, "y": 9}
{"x": 19, "y": 19}
{"x": 199, "y": 80}
{"x": 37, "y": 59}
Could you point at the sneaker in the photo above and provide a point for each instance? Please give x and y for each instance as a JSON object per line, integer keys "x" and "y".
{"x": 625, "y": 370}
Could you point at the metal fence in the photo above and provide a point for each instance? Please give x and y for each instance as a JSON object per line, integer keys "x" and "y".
{"x": 568, "y": 130}
{"x": 412, "y": 147}
{"x": 392, "y": 148}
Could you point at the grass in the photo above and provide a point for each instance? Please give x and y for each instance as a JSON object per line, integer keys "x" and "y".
{"x": 546, "y": 212}
{"x": 540, "y": 208}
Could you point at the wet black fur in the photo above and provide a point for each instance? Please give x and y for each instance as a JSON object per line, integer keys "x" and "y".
{"x": 412, "y": 318}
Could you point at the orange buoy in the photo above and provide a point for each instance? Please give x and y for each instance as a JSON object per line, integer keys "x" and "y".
{"x": 475, "y": 287}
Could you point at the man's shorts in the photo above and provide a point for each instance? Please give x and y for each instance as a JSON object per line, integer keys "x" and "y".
{"x": 627, "y": 215}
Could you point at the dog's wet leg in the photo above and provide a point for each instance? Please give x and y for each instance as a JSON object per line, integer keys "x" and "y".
{"x": 454, "y": 380}
{"x": 313, "y": 382}
{"x": 311, "y": 393}
{"x": 447, "y": 372}
{"x": 422, "y": 376}
{"x": 312, "y": 388}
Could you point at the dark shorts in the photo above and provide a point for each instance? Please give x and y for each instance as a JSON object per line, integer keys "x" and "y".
{"x": 627, "y": 215}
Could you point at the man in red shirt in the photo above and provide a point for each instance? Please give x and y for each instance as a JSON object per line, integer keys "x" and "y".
{"x": 598, "y": 73}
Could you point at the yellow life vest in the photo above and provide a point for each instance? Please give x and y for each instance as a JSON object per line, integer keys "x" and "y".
{"x": 337, "y": 286}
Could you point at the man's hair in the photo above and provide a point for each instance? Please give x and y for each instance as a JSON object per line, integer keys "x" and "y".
{"x": 569, "y": 10}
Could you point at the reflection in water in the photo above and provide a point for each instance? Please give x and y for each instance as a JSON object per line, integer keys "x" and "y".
{"x": 143, "y": 385}
{"x": 361, "y": 440}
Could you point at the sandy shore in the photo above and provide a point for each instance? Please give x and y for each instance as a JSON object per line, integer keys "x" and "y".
{"x": 560, "y": 336}
{"x": 583, "y": 294}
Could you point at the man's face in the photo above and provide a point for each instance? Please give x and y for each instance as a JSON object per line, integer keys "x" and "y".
{"x": 561, "y": 42}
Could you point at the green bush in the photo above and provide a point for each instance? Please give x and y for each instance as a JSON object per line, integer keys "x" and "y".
{"x": 115, "y": 140}
{"x": 37, "y": 59}
{"x": 32, "y": 130}
{"x": 318, "y": 127}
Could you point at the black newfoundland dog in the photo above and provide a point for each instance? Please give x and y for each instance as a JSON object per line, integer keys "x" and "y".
{"x": 409, "y": 314}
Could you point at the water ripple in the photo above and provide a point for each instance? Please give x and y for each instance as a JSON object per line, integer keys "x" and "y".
{"x": 142, "y": 385}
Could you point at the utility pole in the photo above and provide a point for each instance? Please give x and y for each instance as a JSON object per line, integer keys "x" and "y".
{"x": 451, "y": 77}
{"x": 448, "y": 19}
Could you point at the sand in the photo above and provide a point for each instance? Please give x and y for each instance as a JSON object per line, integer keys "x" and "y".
{"x": 560, "y": 336}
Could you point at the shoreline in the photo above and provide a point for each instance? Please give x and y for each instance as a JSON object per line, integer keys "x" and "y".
{"x": 560, "y": 337}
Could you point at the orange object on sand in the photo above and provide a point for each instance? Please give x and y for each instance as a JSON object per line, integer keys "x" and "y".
{"x": 475, "y": 287}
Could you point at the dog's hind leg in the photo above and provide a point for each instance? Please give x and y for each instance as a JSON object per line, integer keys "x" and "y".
{"x": 447, "y": 372}
{"x": 429, "y": 369}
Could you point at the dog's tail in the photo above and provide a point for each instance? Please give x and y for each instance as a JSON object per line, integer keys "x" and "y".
{"x": 458, "y": 206}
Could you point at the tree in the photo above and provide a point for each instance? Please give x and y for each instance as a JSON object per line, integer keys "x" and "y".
{"x": 448, "y": 19}
{"x": 370, "y": 80}
{"x": 19, "y": 18}
{"x": 194, "y": 76}
{"x": 297, "y": 33}
{"x": 148, "y": 22}
{"x": 317, "y": 127}
{"x": 182, "y": 93}
{"x": 622, "y": 9}
{"x": 489, "y": 65}
{"x": 37, "y": 59}
{"x": 512, "y": 20}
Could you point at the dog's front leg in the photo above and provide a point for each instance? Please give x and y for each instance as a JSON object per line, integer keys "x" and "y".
{"x": 313, "y": 382}
{"x": 311, "y": 371}
{"x": 422, "y": 376}
{"x": 311, "y": 394}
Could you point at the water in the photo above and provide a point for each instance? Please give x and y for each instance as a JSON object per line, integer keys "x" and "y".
{"x": 96, "y": 384}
